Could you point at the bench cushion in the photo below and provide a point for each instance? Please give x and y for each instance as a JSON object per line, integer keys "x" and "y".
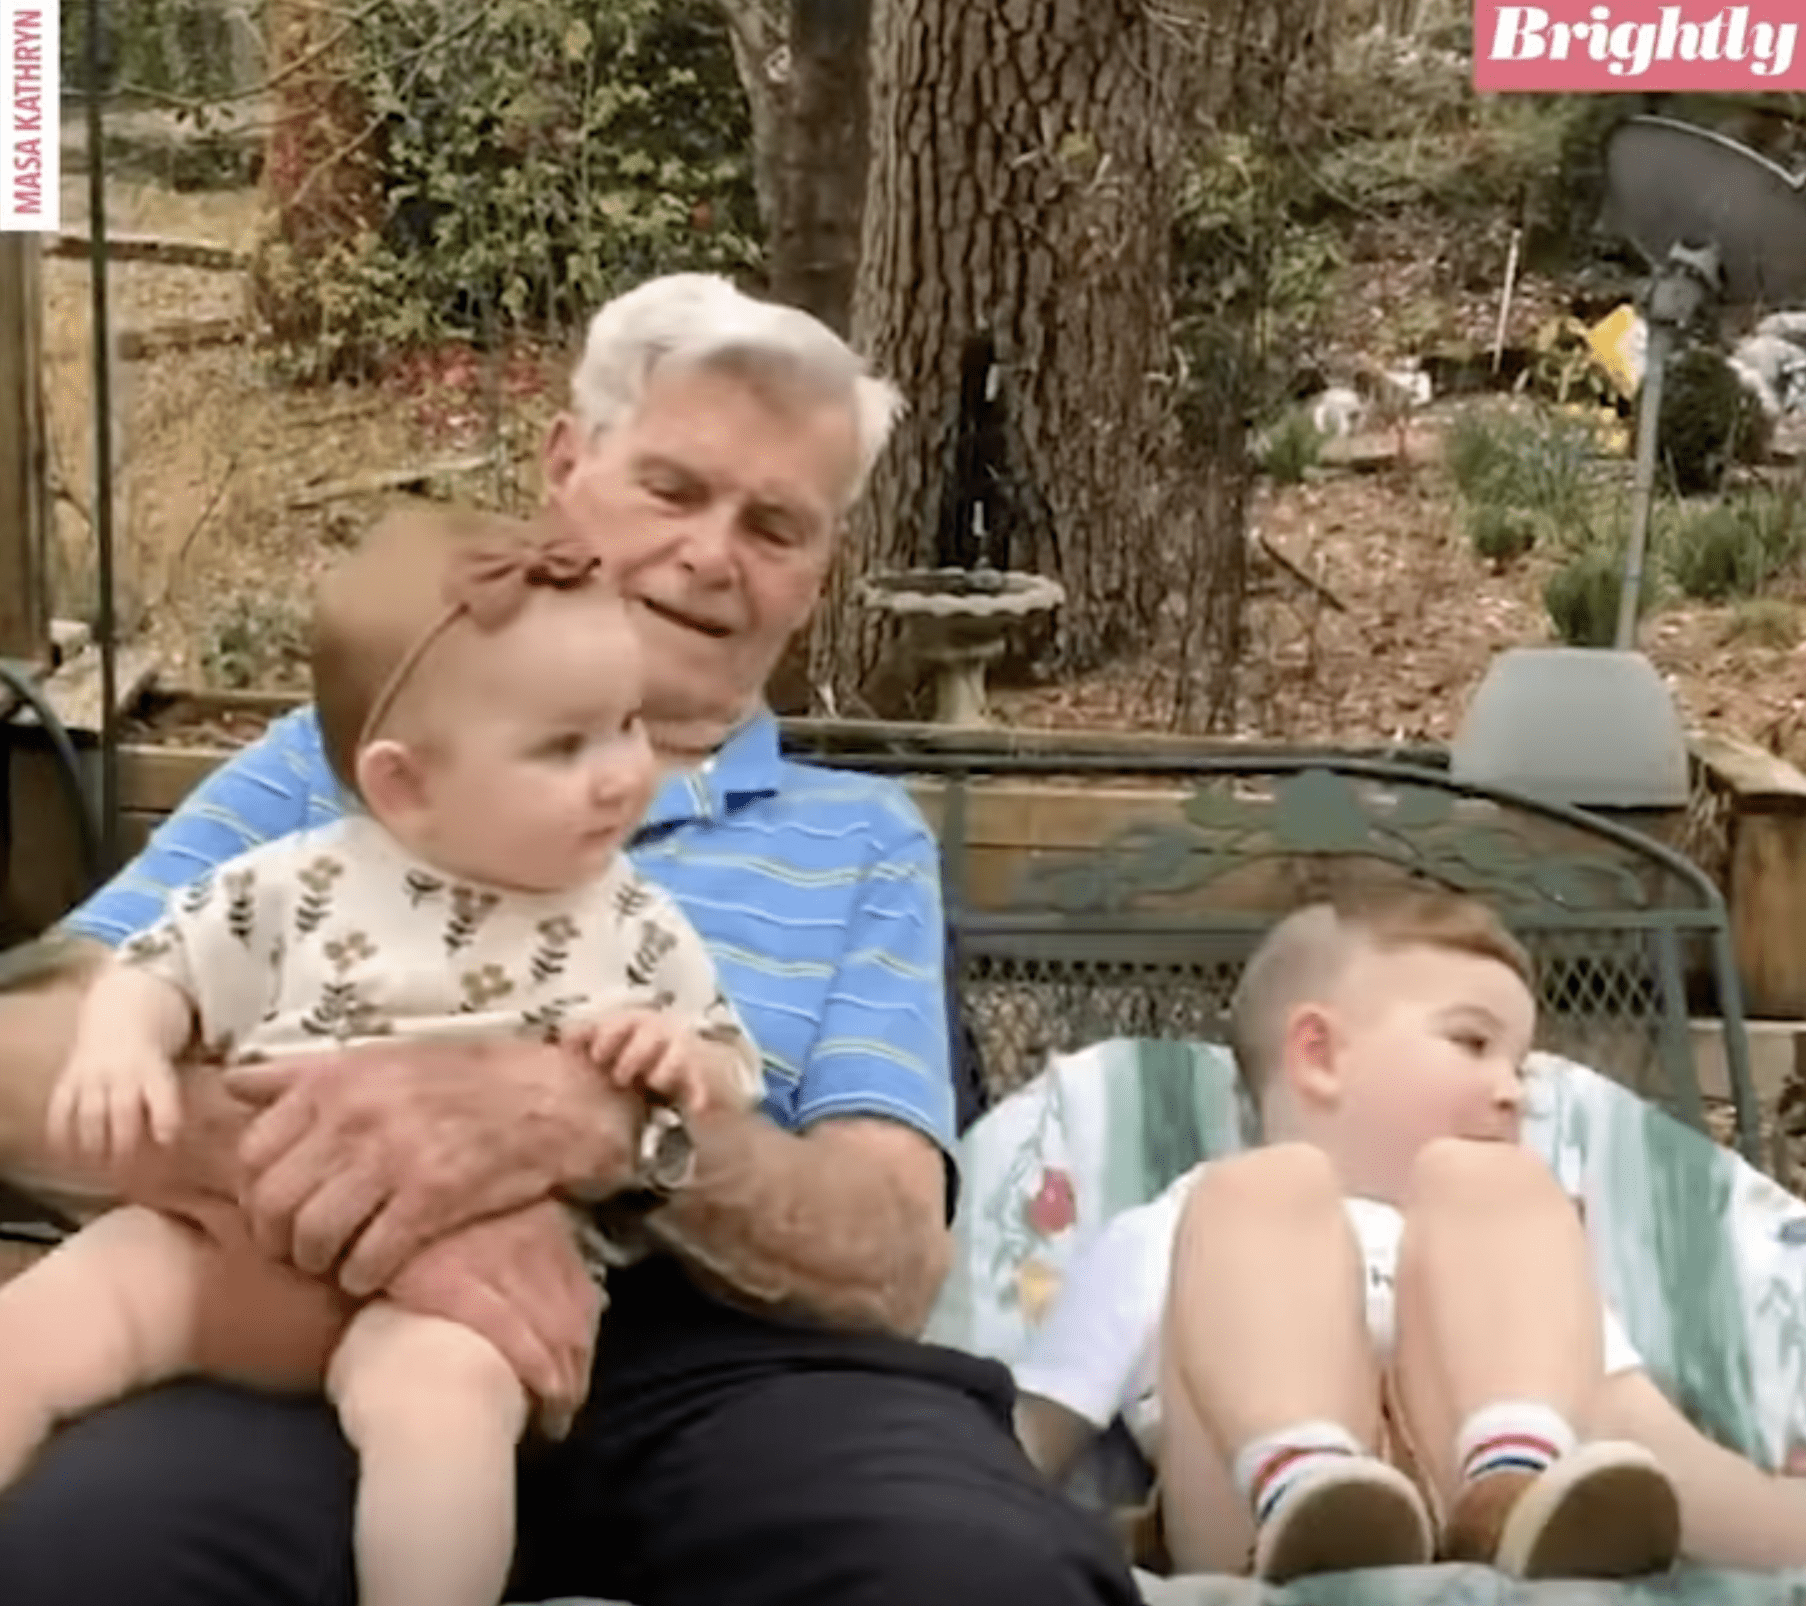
{"x": 1703, "y": 1256}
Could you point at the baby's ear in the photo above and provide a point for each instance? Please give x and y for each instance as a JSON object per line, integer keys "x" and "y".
{"x": 1308, "y": 1058}
{"x": 389, "y": 780}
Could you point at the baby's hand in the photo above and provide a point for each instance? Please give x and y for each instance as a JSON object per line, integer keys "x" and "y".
{"x": 648, "y": 1049}
{"x": 107, "y": 1096}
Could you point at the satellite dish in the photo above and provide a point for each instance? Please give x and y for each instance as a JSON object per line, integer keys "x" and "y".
{"x": 1716, "y": 222}
{"x": 1670, "y": 184}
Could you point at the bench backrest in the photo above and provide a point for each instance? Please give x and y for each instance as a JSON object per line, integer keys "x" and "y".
{"x": 1095, "y": 895}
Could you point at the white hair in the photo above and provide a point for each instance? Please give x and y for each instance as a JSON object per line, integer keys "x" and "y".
{"x": 699, "y": 320}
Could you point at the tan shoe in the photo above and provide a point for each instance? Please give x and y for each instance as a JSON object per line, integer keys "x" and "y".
{"x": 1356, "y": 1511}
{"x": 1607, "y": 1510}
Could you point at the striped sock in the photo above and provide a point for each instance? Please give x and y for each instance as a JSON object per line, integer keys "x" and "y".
{"x": 1267, "y": 1469}
{"x": 1511, "y": 1436}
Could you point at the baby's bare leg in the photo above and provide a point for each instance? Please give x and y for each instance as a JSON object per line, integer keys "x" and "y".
{"x": 1496, "y": 1299}
{"x": 1500, "y": 1346}
{"x": 1268, "y": 1375}
{"x": 435, "y": 1414}
{"x": 110, "y": 1310}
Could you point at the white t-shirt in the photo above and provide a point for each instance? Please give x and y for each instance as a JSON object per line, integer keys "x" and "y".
{"x": 1098, "y": 1351}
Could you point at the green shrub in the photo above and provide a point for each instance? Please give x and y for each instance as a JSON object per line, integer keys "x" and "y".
{"x": 1582, "y": 596}
{"x": 1532, "y": 461}
{"x": 1763, "y": 622}
{"x": 1709, "y": 420}
{"x": 1713, "y": 555}
{"x": 1291, "y": 448}
{"x": 1501, "y": 535}
{"x": 1735, "y": 547}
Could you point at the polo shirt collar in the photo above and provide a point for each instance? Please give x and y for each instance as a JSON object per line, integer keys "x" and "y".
{"x": 747, "y": 765}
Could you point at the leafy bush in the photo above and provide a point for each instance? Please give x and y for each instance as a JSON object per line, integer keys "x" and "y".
{"x": 1239, "y": 243}
{"x": 254, "y": 639}
{"x": 535, "y": 156}
{"x": 1734, "y": 548}
{"x": 1531, "y": 461}
{"x": 1291, "y": 447}
{"x": 1582, "y": 595}
{"x": 1501, "y": 535}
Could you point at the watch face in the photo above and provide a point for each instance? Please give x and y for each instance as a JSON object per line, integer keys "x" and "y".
{"x": 667, "y": 1151}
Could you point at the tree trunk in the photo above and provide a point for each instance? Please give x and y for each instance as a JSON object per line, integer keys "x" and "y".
{"x": 322, "y": 166}
{"x": 1018, "y": 212}
{"x": 757, "y": 30}
{"x": 809, "y": 160}
{"x": 821, "y": 173}
{"x": 803, "y": 65}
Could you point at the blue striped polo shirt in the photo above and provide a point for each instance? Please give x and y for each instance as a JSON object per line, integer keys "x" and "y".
{"x": 816, "y": 890}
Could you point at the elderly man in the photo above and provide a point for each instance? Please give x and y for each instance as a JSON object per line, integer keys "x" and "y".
{"x": 762, "y": 1426}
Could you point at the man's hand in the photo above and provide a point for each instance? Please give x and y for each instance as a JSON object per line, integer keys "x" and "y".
{"x": 520, "y": 1281}
{"x": 362, "y": 1159}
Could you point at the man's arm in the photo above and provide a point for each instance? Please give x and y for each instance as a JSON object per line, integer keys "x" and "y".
{"x": 266, "y": 791}
{"x": 1733, "y": 1514}
{"x": 362, "y": 1159}
{"x": 1050, "y": 1434}
{"x": 843, "y": 1222}
{"x": 846, "y": 1221}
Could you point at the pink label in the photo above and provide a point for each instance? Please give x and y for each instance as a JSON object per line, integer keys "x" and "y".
{"x": 30, "y": 117}
{"x": 1587, "y": 46}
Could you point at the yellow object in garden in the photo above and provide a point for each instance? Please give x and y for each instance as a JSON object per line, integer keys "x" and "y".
{"x": 1611, "y": 435}
{"x": 1619, "y": 342}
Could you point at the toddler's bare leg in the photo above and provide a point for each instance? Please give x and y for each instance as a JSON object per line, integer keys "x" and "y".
{"x": 1495, "y": 1293}
{"x": 1269, "y": 1380}
{"x": 1499, "y": 1363}
{"x": 110, "y": 1310}
{"x": 435, "y": 1414}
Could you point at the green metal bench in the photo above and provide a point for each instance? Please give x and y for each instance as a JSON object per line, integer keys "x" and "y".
{"x": 1143, "y": 932}
{"x": 1137, "y": 927}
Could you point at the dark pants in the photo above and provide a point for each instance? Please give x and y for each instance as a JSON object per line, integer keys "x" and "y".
{"x": 722, "y": 1458}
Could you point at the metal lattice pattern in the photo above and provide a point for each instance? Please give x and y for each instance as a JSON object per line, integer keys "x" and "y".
{"x": 1138, "y": 925}
{"x": 1022, "y": 1009}
{"x": 1601, "y": 1003}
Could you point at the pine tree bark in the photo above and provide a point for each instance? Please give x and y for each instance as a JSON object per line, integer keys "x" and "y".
{"x": 822, "y": 167}
{"x": 322, "y": 169}
{"x": 758, "y": 30}
{"x": 1018, "y": 202}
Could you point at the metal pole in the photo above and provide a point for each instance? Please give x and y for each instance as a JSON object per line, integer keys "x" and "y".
{"x": 104, "y": 624}
{"x": 1643, "y": 487}
{"x": 24, "y": 614}
{"x": 1511, "y": 279}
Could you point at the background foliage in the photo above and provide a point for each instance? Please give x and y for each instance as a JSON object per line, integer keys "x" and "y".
{"x": 533, "y": 157}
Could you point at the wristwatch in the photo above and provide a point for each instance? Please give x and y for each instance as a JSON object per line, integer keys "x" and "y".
{"x": 667, "y": 1152}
